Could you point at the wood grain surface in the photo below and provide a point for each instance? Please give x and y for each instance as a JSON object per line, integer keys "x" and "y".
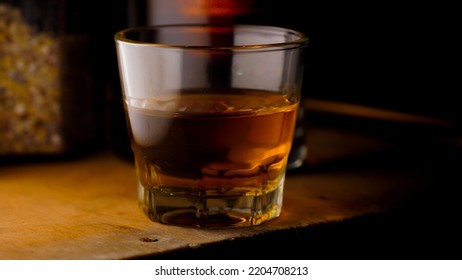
{"x": 87, "y": 208}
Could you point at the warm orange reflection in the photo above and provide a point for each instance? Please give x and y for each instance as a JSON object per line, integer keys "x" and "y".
{"x": 216, "y": 8}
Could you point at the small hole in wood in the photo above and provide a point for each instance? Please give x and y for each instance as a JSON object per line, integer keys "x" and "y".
{"x": 149, "y": 239}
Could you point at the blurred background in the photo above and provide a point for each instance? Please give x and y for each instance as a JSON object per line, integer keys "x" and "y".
{"x": 370, "y": 66}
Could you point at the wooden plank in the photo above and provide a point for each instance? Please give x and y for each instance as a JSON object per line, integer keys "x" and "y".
{"x": 87, "y": 209}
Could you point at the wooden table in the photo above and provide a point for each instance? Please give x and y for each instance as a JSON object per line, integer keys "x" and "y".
{"x": 86, "y": 208}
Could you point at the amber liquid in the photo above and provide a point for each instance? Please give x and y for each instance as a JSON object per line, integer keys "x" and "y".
{"x": 212, "y": 159}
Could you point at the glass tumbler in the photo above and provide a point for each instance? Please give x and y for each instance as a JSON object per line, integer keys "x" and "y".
{"x": 211, "y": 112}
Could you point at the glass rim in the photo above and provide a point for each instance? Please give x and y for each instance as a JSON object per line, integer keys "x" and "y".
{"x": 300, "y": 41}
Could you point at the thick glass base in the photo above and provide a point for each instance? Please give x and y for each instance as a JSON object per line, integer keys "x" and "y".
{"x": 182, "y": 207}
